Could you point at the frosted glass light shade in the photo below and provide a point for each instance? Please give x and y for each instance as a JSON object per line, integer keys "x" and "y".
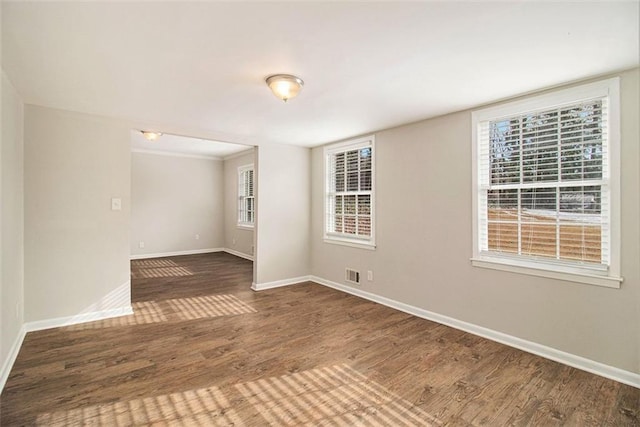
{"x": 285, "y": 86}
{"x": 151, "y": 136}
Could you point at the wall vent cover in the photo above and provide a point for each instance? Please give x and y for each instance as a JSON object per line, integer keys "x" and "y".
{"x": 352, "y": 276}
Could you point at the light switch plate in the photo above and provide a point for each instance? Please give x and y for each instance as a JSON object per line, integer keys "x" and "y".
{"x": 116, "y": 204}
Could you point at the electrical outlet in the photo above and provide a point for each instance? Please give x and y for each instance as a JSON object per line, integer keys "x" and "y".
{"x": 370, "y": 275}
{"x": 141, "y": 245}
{"x": 197, "y": 237}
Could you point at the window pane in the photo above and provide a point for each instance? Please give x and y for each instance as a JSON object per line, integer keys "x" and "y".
{"x": 364, "y": 205}
{"x": 365, "y": 158}
{"x": 364, "y": 226}
{"x": 505, "y": 151}
{"x": 352, "y": 181}
{"x": 582, "y": 141}
{"x": 352, "y": 161}
{"x": 365, "y": 180}
{"x": 338, "y": 205}
{"x": 350, "y": 205}
{"x": 338, "y": 172}
{"x": 540, "y": 147}
{"x": 503, "y": 237}
{"x": 538, "y": 204}
{"x": 580, "y": 242}
{"x": 502, "y": 205}
{"x": 581, "y": 223}
{"x": 538, "y": 239}
{"x": 502, "y": 221}
{"x": 350, "y": 224}
{"x": 338, "y": 224}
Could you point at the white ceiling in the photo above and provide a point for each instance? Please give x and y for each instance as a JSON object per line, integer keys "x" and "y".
{"x": 366, "y": 65}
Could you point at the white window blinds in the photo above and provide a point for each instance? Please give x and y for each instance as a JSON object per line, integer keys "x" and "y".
{"x": 350, "y": 192}
{"x": 246, "y": 199}
{"x": 544, "y": 184}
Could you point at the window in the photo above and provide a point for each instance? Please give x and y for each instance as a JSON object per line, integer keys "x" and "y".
{"x": 349, "y": 193}
{"x": 546, "y": 190}
{"x": 246, "y": 199}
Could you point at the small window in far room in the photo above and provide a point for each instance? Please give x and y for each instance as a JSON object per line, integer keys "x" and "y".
{"x": 246, "y": 199}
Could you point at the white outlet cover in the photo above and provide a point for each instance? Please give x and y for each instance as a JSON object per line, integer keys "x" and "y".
{"x": 116, "y": 204}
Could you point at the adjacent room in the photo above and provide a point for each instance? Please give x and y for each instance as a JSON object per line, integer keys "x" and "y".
{"x": 320, "y": 213}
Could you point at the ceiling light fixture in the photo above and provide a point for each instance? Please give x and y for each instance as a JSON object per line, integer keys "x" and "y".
{"x": 284, "y": 86}
{"x": 150, "y": 135}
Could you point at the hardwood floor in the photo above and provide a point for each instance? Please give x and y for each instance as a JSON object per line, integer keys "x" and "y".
{"x": 203, "y": 349}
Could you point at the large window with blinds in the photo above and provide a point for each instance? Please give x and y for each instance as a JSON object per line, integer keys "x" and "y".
{"x": 350, "y": 193}
{"x": 246, "y": 199}
{"x": 546, "y": 191}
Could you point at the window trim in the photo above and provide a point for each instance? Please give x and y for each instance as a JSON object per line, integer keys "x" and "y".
{"x": 242, "y": 224}
{"x": 355, "y": 242}
{"x": 608, "y": 278}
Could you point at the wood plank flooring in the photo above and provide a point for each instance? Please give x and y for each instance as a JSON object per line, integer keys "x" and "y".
{"x": 203, "y": 349}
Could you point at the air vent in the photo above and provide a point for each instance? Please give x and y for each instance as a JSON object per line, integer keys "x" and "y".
{"x": 352, "y": 276}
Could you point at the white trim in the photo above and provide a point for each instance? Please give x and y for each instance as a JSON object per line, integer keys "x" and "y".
{"x": 241, "y": 153}
{"x": 238, "y": 254}
{"x": 11, "y": 357}
{"x": 546, "y": 271}
{"x": 349, "y": 242}
{"x": 177, "y": 253}
{"x": 58, "y": 322}
{"x": 175, "y": 154}
{"x": 280, "y": 283}
{"x": 597, "y": 368}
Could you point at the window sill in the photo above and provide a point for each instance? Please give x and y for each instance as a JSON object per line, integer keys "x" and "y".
{"x": 538, "y": 270}
{"x": 245, "y": 227}
{"x": 350, "y": 243}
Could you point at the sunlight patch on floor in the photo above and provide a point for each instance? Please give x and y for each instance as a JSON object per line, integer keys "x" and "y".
{"x": 208, "y": 306}
{"x": 202, "y": 407}
{"x": 330, "y": 396}
{"x": 155, "y": 268}
{"x": 144, "y": 312}
{"x": 337, "y": 395}
{"x": 179, "y": 309}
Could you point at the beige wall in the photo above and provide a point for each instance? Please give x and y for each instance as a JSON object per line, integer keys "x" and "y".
{"x": 423, "y": 233}
{"x": 173, "y": 199}
{"x": 235, "y": 238}
{"x": 282, "y": 241}
{"x": 11, "y": 218}
{"x": 76, "y": 247}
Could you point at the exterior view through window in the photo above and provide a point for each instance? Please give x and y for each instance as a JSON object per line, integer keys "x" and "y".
{"x": 545, "y": 195}
{"x": 546, "y": 182}
{"x": 350, "y": 192}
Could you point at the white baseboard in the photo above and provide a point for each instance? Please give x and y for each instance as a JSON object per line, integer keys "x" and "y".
{"x": 79, "y": 318}
{"x": 279, "y": 283}
{"x": 177, "y": 253}
{"x": 238, "y": 254}
{"x": 597, "y": 368}
{"x": 11, "y": 357}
